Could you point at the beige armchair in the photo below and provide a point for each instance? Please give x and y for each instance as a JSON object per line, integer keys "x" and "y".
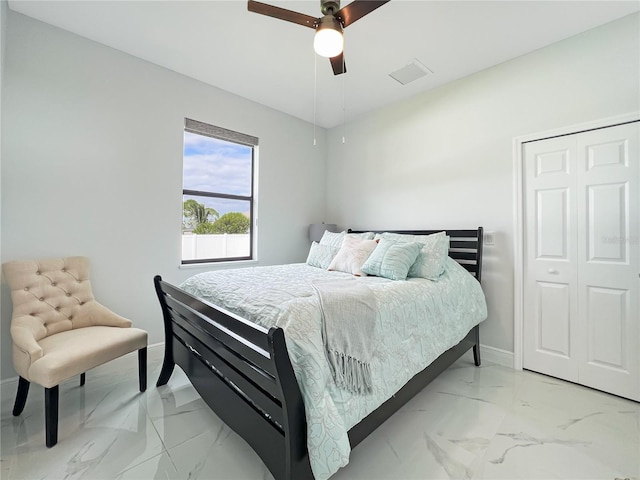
{"x": 59, "y": 330}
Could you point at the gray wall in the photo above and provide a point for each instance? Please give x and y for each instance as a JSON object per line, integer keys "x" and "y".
{"x": 92, "y": 165}
{"x": 445, "y": 158}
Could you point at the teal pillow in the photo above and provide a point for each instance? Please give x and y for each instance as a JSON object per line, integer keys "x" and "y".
{"x": 433, "y": 256}
{"x": 391, "y": 260}
{"x": 333, "y": 239}
{"x": 321, "y": 255}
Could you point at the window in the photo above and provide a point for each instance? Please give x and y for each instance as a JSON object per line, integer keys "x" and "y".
{"x": 217, "y": 194}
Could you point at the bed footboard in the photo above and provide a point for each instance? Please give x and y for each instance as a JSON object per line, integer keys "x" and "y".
{"x": 243, "y": 372}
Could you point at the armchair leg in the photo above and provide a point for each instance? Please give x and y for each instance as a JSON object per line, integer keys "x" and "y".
{"x": 21, "y": 396}
{"x": 142, "y": 368}
{"x": 83, "y": 377}
{"x": 51, "y": 415}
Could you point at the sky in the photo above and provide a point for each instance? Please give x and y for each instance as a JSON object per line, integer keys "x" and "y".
{"x": 217, "y": 166}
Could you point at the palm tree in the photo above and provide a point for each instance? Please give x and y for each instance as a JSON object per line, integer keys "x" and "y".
{"x": 195, "y": 213}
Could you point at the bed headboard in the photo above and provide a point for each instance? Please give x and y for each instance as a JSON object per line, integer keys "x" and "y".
{"x": 465, "y": 246}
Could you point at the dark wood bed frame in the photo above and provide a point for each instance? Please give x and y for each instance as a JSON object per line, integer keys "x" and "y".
{"x": 244, "y": 374}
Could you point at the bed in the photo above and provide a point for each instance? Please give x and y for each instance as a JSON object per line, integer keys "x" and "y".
{"x": 256, "y": 378}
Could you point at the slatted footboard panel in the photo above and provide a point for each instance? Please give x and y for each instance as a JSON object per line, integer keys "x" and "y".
{"x": 243, "y": 373}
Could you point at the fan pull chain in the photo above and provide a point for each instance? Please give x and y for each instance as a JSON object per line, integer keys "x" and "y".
{"x": 315, "y": 95}
{"x": 344, "y": 108}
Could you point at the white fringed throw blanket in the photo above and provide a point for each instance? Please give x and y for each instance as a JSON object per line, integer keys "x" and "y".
{"x": 348, "y": 323}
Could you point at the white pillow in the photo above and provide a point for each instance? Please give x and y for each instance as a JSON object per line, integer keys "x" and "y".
{"x": 352, "y": 255}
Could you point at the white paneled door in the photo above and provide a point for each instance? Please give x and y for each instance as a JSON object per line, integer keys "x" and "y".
{"x": 582, "y": 258}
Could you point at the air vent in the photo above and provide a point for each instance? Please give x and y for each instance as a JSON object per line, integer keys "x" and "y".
{"x": 409, "y": 73}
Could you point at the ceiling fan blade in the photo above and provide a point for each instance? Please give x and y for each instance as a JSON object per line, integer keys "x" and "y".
{"x": 356, "y": 10}
{"x": 338, "y": 65}
{"x": 282, "y": 14}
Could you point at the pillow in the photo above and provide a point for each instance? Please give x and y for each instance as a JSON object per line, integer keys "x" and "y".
{"x": 335, "y": 239}
{"x": 352, "y": 254}
{"x": 363, "y": 235}
{"x": 321, "y": 255}
{"x": 332, "y": 239}
{"x": 407, "y": 237}
{"x": 391, "y": 259}
{"x": 433, "y": 256}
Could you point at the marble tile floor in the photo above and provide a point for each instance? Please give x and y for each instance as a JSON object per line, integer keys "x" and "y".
{"x": 490, "y": 422}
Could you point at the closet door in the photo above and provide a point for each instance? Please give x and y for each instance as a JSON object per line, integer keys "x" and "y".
{"x": 582, "y": 258}
{"x": 551, "y": 300}
{"x": 609, "y": 258}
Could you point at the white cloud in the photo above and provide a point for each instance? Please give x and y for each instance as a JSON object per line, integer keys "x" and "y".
{"x": 214, "y": 165}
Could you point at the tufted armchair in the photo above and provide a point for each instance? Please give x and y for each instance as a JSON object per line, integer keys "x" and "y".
{"x": 59, "y": 330}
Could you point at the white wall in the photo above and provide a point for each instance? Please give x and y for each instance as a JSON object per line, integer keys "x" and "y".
{"x": 92, "y": 155}
{"x": 444, "y": 158}
{"x": 4, "y": 10}
{"x": 92, "y": 152}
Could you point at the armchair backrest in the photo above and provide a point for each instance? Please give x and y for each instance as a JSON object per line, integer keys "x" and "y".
{"x": 50, "y": 296}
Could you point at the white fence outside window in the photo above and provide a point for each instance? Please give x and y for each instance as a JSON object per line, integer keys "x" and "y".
{"x": 195, "y": 247}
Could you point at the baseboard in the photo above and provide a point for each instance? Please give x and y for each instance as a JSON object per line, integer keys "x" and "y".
{"x": 9, "y": 383}
{"x": 155, "y": 345}
{"x": 13, "y": 381}
{"x": 496, "y": 355}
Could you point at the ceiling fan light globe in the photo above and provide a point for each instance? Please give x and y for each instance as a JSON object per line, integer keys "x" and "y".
{"x": 328, "y": 42}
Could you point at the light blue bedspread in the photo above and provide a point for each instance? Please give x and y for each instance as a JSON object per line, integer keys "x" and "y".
{"x": 417, "y": 320}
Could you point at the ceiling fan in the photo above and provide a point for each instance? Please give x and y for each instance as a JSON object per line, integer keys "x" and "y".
{"x": 328, "y": 41}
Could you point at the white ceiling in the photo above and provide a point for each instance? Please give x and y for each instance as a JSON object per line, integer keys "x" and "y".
{"x": 272, "y": 62}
